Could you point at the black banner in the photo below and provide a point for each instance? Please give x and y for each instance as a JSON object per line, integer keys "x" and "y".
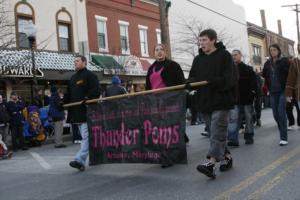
{"x": 140, "y": 129}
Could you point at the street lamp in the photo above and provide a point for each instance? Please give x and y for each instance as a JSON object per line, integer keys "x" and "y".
{"x": 30, "y": 30}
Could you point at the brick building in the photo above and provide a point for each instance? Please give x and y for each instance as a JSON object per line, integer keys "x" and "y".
{"x": 122, "y": 35}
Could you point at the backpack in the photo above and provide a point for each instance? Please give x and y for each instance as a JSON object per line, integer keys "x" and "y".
{"x": 4, "y": 115}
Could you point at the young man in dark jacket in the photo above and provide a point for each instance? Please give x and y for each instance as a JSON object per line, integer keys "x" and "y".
{"x": 214, "y": 64}
{"x": 14, "y": 107}
{"x": 82, "y": 86}
{"x": 244, "y": 107}
{"x": 275, "y": 73}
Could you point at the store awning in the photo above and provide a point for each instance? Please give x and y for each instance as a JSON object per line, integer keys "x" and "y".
{"x": 106, "y": 62}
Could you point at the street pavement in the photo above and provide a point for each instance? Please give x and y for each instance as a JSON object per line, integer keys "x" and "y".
{"x": 263, "y": 170}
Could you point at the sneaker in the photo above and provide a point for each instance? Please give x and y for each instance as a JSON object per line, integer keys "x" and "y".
{"x": 283, "y": 142}
{"x": 166, "y": 165}
{"x": 207, "y": 169}
{"x": 205, "y": 134}
{"x": 226, "y": 164}
{"x": 233, "y": 144}
{"x": 292, "y": 127}
{"x": 77, "y": 165}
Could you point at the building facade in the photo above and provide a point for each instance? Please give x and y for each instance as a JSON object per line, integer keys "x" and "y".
{"x": 122, "y": 36}
{"x": 61, "y": 33}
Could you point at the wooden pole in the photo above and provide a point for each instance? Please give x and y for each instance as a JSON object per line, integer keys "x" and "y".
{"x": 166, "y": 89}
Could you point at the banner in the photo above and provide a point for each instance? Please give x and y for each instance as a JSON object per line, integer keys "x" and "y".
{"x": 139, "y": 129}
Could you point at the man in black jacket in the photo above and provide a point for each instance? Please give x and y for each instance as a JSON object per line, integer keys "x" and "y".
{"x": 83, "y": 85}
{"x": 214, "y": 64}
{"x": 244, "y": 107}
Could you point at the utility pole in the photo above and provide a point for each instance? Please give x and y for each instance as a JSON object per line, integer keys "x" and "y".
{"x": 164, "y": 24}
{"x": 296, "y": 9}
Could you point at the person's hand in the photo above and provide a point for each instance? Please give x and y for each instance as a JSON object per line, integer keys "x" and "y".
{"x": 289, "y": 99}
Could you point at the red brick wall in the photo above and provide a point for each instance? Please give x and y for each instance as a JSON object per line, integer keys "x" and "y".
{"x": 140, "y": 14}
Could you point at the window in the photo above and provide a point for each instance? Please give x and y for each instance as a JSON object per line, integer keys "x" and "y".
{"x": 24, "y": 14}
{"x": 64, "y": 31}
{"x": 22, "y": 37}
{"x": 64, "y": 37}
{"x": 124, "y": 37}
{"x": 144, "y": 41}
{"x": 158, "y": 36}
{"x": 256, "y": 54}
{"x": 102, "y": 33}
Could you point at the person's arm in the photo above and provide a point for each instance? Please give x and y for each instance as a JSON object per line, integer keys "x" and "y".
{"x": 93, "y": 86}
{"x": 228, "y": 78}
{"x": 291, "y": 81}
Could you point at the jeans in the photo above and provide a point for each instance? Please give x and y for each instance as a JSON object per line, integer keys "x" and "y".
{"x": 83, "y": 153}
{"x": 235, "y": 121}
{"x": 218, "y": 123}
{"x": 278, "y": 103}
{"x": 75, "y": 132}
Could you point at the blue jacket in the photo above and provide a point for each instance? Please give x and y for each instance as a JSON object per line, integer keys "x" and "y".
{"x": 56, "y": 110}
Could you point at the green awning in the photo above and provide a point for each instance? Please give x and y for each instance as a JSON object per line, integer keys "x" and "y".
{"x": 106, "y": 62}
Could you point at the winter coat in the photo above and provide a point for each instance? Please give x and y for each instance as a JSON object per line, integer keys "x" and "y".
{"x": 292, "y": 88}
{"x": 171, "y": 74}
{"x": 15, "y": 110}
{"x": 82, "y": 86}
{"x": 247, "y": 84}
{"x": 114, "y": 90}
{"x": 4, "y": 115}
{"x": 219, "y": 70}
{"x": 56, "y": 110}
{"x": 282, "y": 65}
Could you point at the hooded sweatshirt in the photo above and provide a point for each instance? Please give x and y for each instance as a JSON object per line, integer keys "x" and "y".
{"x": 219, "y": 70}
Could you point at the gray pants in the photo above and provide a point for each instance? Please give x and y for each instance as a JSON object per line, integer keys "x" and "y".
{"x": 218, "y": 124}
{"x": 4, "y": 133}
{"x": 58, "y": 132}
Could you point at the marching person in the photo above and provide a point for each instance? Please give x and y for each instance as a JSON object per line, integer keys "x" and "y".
{"x": 292, "y": 89}
{"x": 275, "y": 72}
{"x": 214, "y": 64}
{"x": 83, "y": 85}
{"x": 244, "y": 107}
{"x": 164, "y": 73}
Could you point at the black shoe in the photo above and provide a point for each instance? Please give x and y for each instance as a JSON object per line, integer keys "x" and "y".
{"x": 166, "y": 165}
{"x": 226, "y": 164}
{"x": 233, "y": 144}
{"x": 77, "y": 165}
{"x": 207, "y": 169}
{"x": 60, "y": 146}
{"x": 186, "y": 138}
{"x": 24, "y": 148}
{"x": 258, "y": 123}
{"x": 249, "y": 141}
{"x": 205, "y": 134}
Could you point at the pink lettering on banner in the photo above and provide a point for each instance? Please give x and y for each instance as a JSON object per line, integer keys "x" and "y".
{"x": 113, "y": 138}
{"x": 161, "y": 135}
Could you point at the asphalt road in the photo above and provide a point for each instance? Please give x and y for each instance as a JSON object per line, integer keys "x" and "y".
{"x": 263, "y": 170}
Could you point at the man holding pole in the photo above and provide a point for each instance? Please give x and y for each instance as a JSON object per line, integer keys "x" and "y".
{"x": 83, "y": 85}
{"x": 215, "y": 65}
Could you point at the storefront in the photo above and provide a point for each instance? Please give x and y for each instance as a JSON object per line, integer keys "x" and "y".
{"x": 16, "y": 72}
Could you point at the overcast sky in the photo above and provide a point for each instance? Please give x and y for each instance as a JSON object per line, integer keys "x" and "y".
{"x": 273, "y": 11}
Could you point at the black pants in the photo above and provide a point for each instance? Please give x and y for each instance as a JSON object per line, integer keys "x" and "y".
{"x": 76, "y": 133}
{"x": 289, "y": 112}
{"x": 17, "y": 137}
{"x": 258, "y": 107}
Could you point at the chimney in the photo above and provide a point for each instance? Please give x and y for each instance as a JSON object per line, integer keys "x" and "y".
{"x": 279, "y": 27}
{"x": 263, "y": 19}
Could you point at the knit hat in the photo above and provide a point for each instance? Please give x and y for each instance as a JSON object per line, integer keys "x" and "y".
{"x": 115, "y": 80}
